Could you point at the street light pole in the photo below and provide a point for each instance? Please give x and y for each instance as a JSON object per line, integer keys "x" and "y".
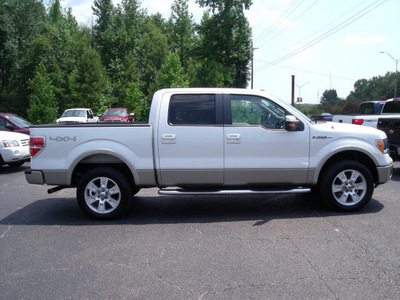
{"x": 396, "y": 61}
{"x": 300, "y": 86}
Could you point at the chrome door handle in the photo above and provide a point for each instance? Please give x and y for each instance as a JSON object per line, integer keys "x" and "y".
{"x": 233, "y": 138}
{"x": 168, "y": 138}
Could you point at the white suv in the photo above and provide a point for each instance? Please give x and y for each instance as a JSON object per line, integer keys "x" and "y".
{"x": 14, "y": 148}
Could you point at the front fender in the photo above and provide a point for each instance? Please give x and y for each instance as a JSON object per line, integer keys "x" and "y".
{"x": 320, "y": 155}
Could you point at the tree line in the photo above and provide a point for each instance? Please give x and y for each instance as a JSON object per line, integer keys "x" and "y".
{"x": 375, "y": 88}
{"x": 49, "y": 62}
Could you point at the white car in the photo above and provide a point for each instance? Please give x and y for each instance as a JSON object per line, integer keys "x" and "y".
{"x": 14, "y": 148}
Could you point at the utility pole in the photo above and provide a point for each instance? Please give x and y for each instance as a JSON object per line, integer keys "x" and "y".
{"x": 252, "y": 64}
{"x": 395, "y": 82}
{"x": 292, "y": 90}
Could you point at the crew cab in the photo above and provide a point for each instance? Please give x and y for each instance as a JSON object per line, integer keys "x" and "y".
{"x": 368, "y": 113}
{"x": 77, "y": 115}
{"x": 210, "y": 141}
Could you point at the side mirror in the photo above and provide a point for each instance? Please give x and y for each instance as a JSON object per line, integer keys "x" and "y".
{"x": 293, "y": 124}
{"x": 9, "y": 127}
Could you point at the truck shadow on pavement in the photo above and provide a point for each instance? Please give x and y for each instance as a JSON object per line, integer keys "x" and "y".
{"x": 183, "y": 209}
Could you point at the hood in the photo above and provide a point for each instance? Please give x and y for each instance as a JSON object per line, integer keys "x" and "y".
{"x": 344, "y": 129}
{"x": 71, "y": 120}
{"x": 114, "y": 118}
{"x": 8, "y": 135}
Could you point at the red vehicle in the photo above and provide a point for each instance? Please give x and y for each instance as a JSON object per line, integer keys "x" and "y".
{"x": 12, "y": 122}
{"x": 117, "y": 115}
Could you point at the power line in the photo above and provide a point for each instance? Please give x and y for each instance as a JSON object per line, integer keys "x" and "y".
{"x": 342, "y": 25}
{"x": 311, "y": 72}
{"x": 283, "y": 29}
{"x": 321, "y": 29}
{"x": 279, "y": 20}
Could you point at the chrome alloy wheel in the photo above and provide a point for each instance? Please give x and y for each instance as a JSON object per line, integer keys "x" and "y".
{"x": 102, "y": 195}
{"x": 349, "y": 187}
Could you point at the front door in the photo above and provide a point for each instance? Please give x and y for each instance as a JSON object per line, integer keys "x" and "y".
{"x": 258, "y": 149}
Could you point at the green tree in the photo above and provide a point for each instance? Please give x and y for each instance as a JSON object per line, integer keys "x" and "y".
{"x": 182, "y": 36}
{"x": 329, "y": 97}
{"x": 152, "y": 51}
{"x": 103, "y": 10}
{"x": 55, "y": 12}
{"x": 376, "y": 88}
{"x": 136, "y": 102}
{"x": 225, "y": 40}
{"x": 170, "y": 75}
{"x": 43, "y": 106}
{"x": 89, "y": 83}
{"x": 59, "y": 46}
{"x": 20, "y": 22}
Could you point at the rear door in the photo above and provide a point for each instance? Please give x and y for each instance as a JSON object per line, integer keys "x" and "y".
{"x": 190, "y": 140}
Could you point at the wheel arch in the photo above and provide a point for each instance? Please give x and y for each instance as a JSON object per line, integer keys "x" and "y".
{"x": 353, "y": 155}
{"x": 101, "y": 159}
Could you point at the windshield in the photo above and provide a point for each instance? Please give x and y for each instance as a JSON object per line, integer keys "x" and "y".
{"x": 114, "y": 112}
{"x": 74, "y": 113}
{"x": 301, "y": 114}
{"x": 22, "y": 123}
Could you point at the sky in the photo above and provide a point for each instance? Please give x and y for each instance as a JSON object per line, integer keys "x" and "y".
{"x": 325, "y": 44}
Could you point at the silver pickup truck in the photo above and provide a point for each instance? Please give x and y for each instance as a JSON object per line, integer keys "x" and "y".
{"x": 210, "y": 141}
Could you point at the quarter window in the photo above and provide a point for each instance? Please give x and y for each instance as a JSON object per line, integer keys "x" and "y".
{"x": 192, "y": 110}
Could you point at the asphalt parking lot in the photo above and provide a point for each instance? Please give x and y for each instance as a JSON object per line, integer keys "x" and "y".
{"x": 197, "y": 247}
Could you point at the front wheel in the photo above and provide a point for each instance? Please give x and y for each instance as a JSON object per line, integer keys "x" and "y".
{"x": 104, "y": 193}
{"x": 347, "y": 186}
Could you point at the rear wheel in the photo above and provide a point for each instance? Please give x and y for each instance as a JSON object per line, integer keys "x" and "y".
{"x": 347, "y": 186}
{"x": 104, "y": 193}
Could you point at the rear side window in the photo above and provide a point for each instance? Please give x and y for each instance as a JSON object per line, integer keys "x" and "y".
{"x": 192, "y": 110}
{"x": 366, "y": 109}
{"x": 391, "y": 107}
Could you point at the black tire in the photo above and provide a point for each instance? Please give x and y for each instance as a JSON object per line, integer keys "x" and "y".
{"x": 16, "y": 164}
{"x": 104, "y": 193}
{"x": 347, "y": 186}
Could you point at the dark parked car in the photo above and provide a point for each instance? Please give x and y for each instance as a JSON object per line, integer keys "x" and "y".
{"x": 12, "y": 122}
{"x": 325, "y": 117}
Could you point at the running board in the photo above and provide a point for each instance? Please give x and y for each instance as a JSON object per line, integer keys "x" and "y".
{"x": 232, "y": 192}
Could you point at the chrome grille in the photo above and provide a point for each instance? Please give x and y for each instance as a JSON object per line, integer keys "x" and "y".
{"x": 25, "y": 142}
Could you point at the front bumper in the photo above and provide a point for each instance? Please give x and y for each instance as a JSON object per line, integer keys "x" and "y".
{"x": 14, "y": 154}
{"x": 385, "y": 173}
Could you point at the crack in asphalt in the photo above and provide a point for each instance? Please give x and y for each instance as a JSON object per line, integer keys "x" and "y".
{"x": 5, "y": 232}
{"x": 159, "y": 278}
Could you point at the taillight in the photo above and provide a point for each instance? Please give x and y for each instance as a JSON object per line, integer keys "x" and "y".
{"x": 357, "y": 121}
{"x": 37, "y": 144}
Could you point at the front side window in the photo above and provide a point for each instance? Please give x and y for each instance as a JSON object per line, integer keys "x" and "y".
{"x": 192, "y": 110}
{"x": 254, "y": 110}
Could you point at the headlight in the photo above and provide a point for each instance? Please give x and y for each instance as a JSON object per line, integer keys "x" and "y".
{"x": 382, "y": 145}
{"x": 10, "y": 143}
